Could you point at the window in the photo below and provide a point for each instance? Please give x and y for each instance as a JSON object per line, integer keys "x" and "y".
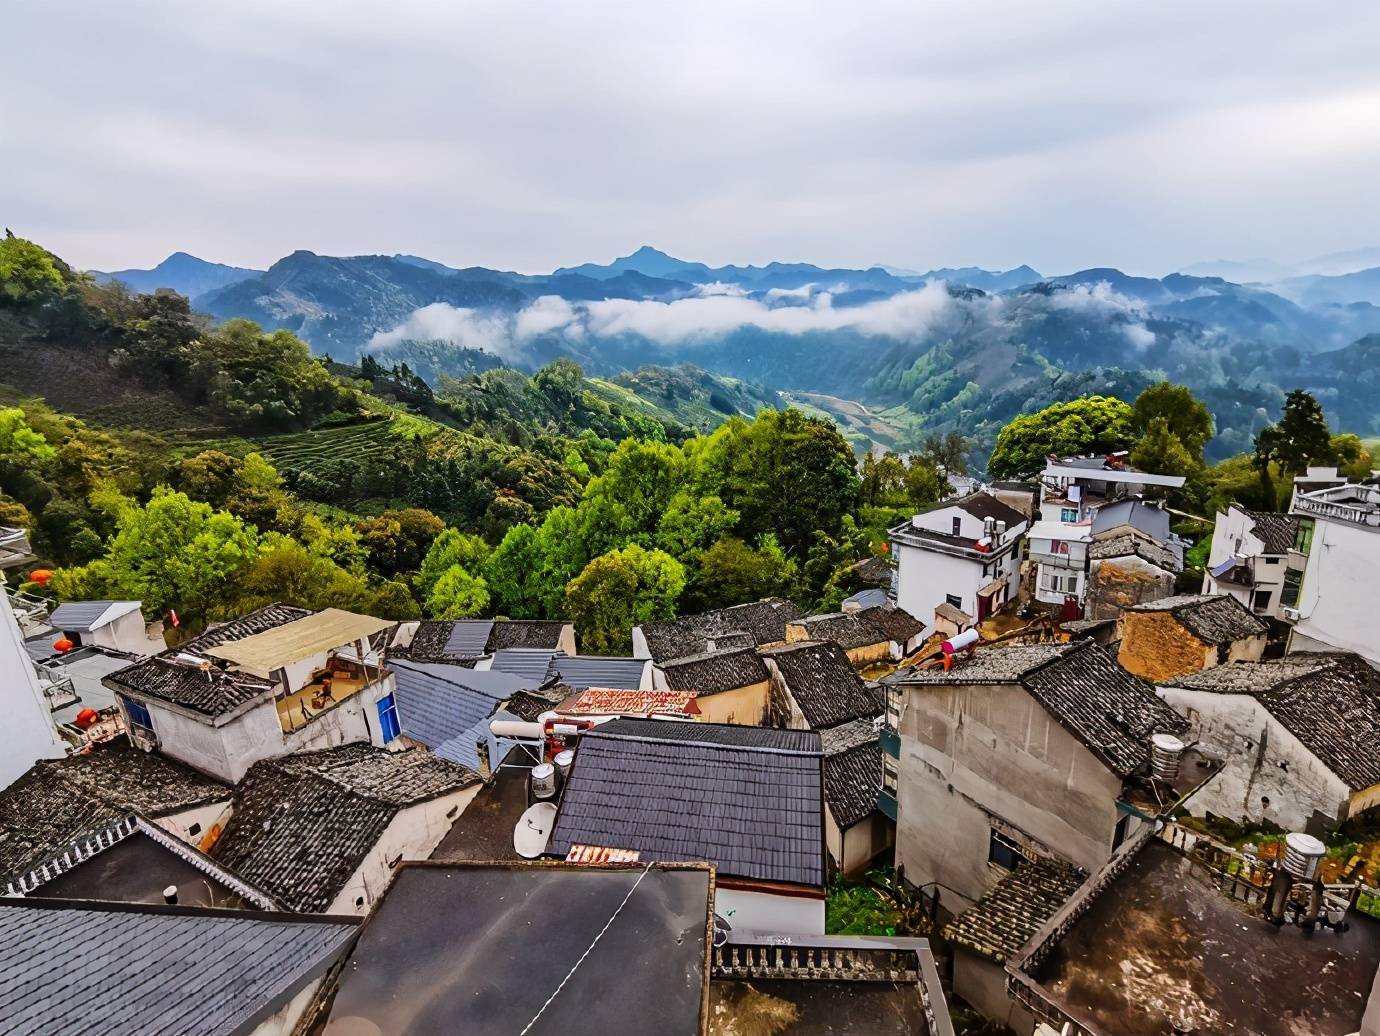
{"x": 1068, "y": 515}
{"x": 958, "y": 526}
{"x": 1293, "y": 583}
{"x": 1059, "y": 584}
{"x": 955, "y": 600}
{"x": 1059, "y": 547}
{"x": 1261, "y": 601}
{"x": 388, "y": 718}
{"x": 194, "y": 830}
{"x": 891, "y": 775}
{"x": 1119, "y": 832}
{"x": 1303, "y": 539}
{"x": 138, "y": 714}
{"x": 1004, "y": 851}
{"x": 1272, "y": 561}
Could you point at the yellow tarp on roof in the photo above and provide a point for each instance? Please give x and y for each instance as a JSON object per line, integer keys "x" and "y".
{"x": 298, "y": 640}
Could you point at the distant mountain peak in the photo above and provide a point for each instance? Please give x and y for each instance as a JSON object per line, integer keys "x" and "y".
{"x": 182, "y": 272}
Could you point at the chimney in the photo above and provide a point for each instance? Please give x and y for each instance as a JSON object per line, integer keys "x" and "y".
{"x": 170, "y": 895}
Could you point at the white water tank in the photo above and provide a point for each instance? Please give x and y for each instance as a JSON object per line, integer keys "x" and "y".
{"x": 543, "y": 782}
{"x": 1303, "y": 855}
{"x": 1165, "y": 752}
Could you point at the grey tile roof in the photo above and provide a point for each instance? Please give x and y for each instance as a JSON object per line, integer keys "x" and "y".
{"x": 431, "y": 643}
{"x": 584, "y": 671}
{"x": 852, "y": 782}
{"x": 1330, "y": 702}
{"x": 436, "y": 701}
{"x": 895, "y": 623}
{"x": 753, "y": 813}
{"x": 213, "y": 690}
{"x": 526, "y": 633}
{"x": 731, "y": 735}
{"x": 460, "y": 640}
{"x": 848, "y": 631}
{"x": 765, "y": 621}
{"x": 1110, "y": 711}
{"x": 85, "y": 616}
{"x": 302, "y": 824}
{"x": 1128, "y": 545}
{"x": 872, "y": 597}
{"x": 534, "y": 664}
{"x": 1276, "y": 531}
{"x": 59, "y": 800}
{"x": 476, "y": 950}
{"x": 985, "y": 505}
{"x": 468, "y": 638}
{"x": 957, "y": 616}
{"x": 875, "y": 570}
{"x": 528, "y": 705}
{"x": 715, "y": 671}
{"x": 1015, "y": 909}
{"x": 464, "y": 747}
{"x": 822, "y": 683}
{"x": 1212, "y": 618}
{"x": 843, "y": 736}
{"x": 77, "y": 968}
{"x": 1149, "y": 519}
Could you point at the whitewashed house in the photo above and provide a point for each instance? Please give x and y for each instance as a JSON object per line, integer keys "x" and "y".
{"x": 281, "y": 679}
{"x": 966, "y": 553}
{"x": 29, "y": 731}
{"x": 117, "y": 625}
{"x": 1249, "y": 558}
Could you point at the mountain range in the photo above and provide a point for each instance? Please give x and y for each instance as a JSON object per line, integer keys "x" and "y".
{"x": 951, "y": 348}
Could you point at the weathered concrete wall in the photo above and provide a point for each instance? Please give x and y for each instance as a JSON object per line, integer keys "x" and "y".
{"x": 870, "y": 654}
{"x": 1337, "y": 602}
{"x": 1155, "y": 646}
{"x": 1117, "y": 583}
{"x": 284, "y": 1020}
{"x": 766, "y": 912}
{"x": 414, "y": 833}
{"x": 978, "y": 757}
{"x": 746, "y": 706}
{"x": 1267, "y": 773}
{"x": 982, "y": 984}
{"x": 852, "y": 850}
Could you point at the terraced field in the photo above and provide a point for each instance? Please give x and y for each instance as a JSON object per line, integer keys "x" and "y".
{"x": 321, "y": 448}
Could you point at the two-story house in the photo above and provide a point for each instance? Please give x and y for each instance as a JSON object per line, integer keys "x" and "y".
{"x": 278, "y": 680}
{"x": 1249, "y": 556}
{"x": 966, "y": 553}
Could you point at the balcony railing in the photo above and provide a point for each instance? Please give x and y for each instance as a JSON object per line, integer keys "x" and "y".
{"x": 1366, "y": 514}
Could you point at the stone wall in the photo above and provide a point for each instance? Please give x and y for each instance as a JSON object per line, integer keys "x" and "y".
{"x": 1156, "y": 647}
{"x": 1117, "y": 583}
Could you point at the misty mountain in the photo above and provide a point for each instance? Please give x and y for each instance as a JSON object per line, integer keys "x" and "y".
{"x": 183, "y": 273}
{"x": 985, "y": 280}
{"x": 1340, "y": 290}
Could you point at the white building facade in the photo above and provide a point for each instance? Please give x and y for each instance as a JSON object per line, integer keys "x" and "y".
{"x": 1333, "y": 573}
{"x": 28, "y": 733}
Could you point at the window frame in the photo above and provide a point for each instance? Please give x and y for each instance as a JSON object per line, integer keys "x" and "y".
{"x": 1003, "y": 845}
{"x": 388, "y": 717}
{"x": 137, "y": 714}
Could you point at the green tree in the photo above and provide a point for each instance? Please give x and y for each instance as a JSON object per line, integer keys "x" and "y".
{"x": 510, "y": 574}
{"x": 397, "y": 541}
{"x": 620, "y": 590}
{"x": 691, "y": 523}
{"x": 731, "y": 572}
{"x": 1091, "y": 424}
{"x": 1353, "y": 458}
{"x": 287, "y": 571}
{"x": 1186, "y": 416}
{"x": 948, "y": 451}
{"x": 641, "y": 478}
{"x": 1163, "y": 452}
{"x": 451, "y": 548}
{"x": 562, "y": 382}
{"x": 924, "y": 484}
{"x": 458, "y": 595}
{"x": 1300, "y": 438}
{"x": 393, "y": 600}
{"x": 18, "y": 441}
{"x": 27, "y": 272}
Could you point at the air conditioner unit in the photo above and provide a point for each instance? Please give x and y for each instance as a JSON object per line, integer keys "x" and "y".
{"x": 1289, "y": 614}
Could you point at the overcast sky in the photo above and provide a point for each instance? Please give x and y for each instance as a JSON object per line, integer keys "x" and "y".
{"x": 529, "y": 135}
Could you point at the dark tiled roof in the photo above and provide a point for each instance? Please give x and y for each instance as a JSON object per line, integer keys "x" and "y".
{"x": 1015, "y": 909}
{"x": 1330, "y": 702}
{"x": 843, "y": 736}
{"x": 1213, "y": 619}
{"x": 526, "y": 633}
{"x": 985, "y": 505}
{"x": 59, "y": 800}
{"x": 468, "y": 638}
{"x": 730, "y": 735}
{"x": 715, "y": 671}
{"x": 213, "y": 690}
{"x": 848, "y": 631}
{"x": 822, "y": 683}
{"x": 945, "y": 610}
{"x": 69, "y": 968}
{"x": 852, "y": 782}
{"x": 1276, "y": 531}
{"x": 431, "y": 642}
{"x": 875, "y": 570}
{"x": 987, "y": 665}
{"x": 528, "y": 705}
{"x": 1110, "y": 711}
{"x": 437, "y": 702}
{"x": 303, "y": 823}
{"x": 765, "y": 621}
{"x": 533, "y": 664}
{"x": 581, "y": 671}
{"x": 754, "y": 814}
{"x": 895, "y": 623}
{"x": 1128, "y": 545}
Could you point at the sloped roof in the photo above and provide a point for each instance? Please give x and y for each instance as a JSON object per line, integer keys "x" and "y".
{"x": 733, "y": 735}
{"x": 176, "y": 677}
{"x": 436, "y": 702}
{"x": 985, "y": 505}
{"x": 1015, "y": 909}
{"x": 1128, "y": 545}
{"x": 1330, "y": 702}
{"x": 580, "y": 671}
{"x": 464, "y": 640}
{"x": 533, "y": 664}
{"x": 1274, "y": 530}
{"x": 876, "y": 570}
{"x": 599, "y": 701}
{"x": 872, "y": 597}
{"x": 85, "y": 616}
{"x": 704, "y": 795}
{"x": 1080, "y": 684}
{"x": 822, "y": 683}
{"x": 715, "y": 671}
{"x": 303, "y": 823}
{"x": 847, "y": 630}
{"x": 526, "y": 633}
{"x": 467, "y": 637}
{"x": 895, "y": 623}
{"x": 852, "y": 782}
{"x": 297, "y": 641}
{"x": 59, "y": 800}
{"x": 764, "y": 620}
{"x": 1148, "y": 518}
{"x": 1212, "y": 618}
{"x": 79, "y": 967}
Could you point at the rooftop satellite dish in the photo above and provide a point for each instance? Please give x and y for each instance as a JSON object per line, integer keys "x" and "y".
{"x": 533, "y": 829}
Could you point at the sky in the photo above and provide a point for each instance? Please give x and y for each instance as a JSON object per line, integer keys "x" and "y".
{"x": 524, "y": 135}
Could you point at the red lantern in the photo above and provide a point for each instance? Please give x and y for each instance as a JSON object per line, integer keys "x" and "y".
{"x": 62, "y": 645}
{"x": 86, "y": 718}
{"x": 41, "y": 576}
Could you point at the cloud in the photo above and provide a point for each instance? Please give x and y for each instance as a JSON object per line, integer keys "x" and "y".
{"x": 468, "y": 328}
{"x": 719, "y": 288}
{"x": 1139, "y": 335}
{"x": 549, "y": 313}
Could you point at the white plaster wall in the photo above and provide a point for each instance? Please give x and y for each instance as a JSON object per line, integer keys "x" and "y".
{"x": 28, "y": 734}
{"x": 1261, "y": 759}
{"x": 1337, "y": 602}
{"x": 972, "y": 754}
{"x": 982, "y": 984}
{"x": 180, "y": 824}
{"x": 413, "y": 834}
{"x": 767, "y": 912}
{"x": 926, "y": 577}
{"x": 639, "y": 644}
{"x": 127, "y": 633}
